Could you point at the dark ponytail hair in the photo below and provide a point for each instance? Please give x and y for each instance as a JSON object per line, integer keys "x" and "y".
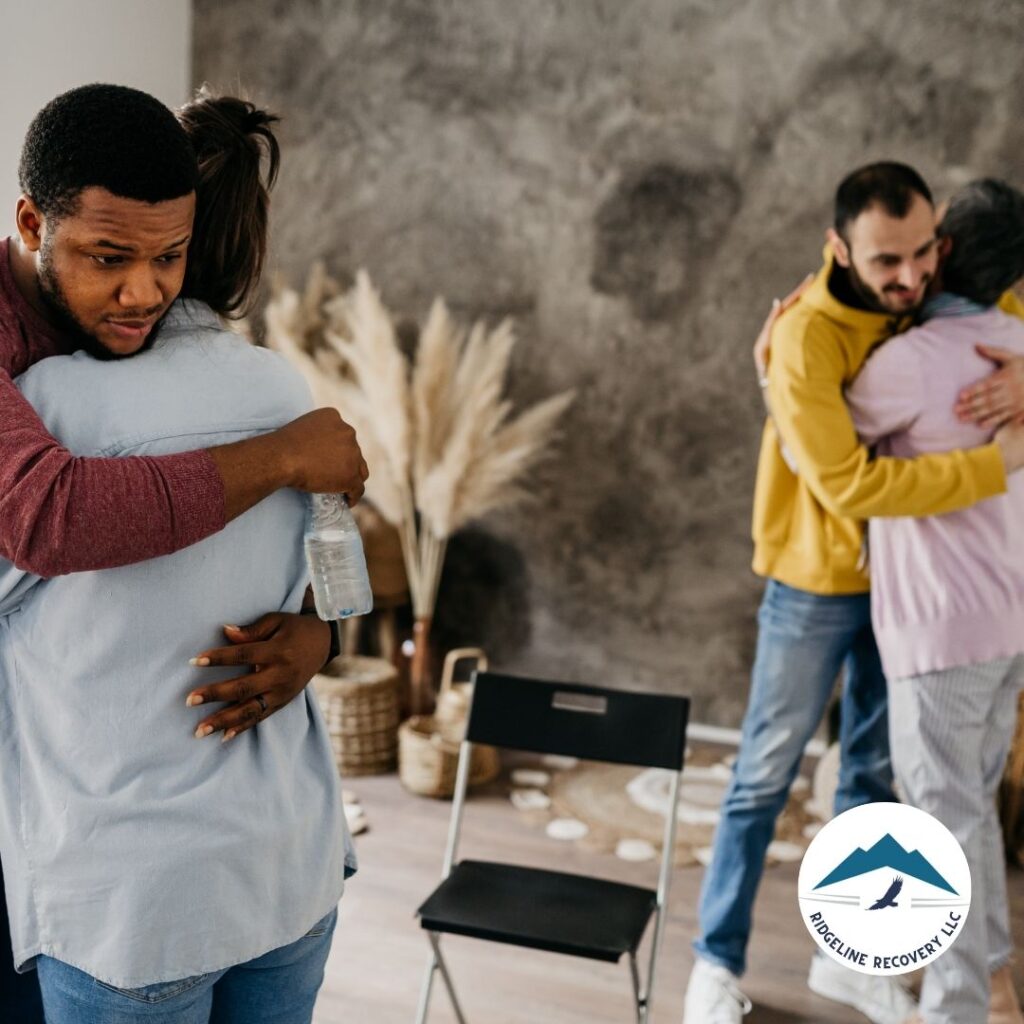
{"x": 238, "y": 159}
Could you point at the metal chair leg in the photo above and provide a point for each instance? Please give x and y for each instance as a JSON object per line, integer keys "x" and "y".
{"x": 435, "y": 942}
{"x": 638, "y": 999}
{"x": 428, "y": 984}
{"x": 635, "y": 978}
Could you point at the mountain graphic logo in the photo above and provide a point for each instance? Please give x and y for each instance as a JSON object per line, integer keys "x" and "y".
{"x": 884, "y": 906}
{"x": 886, "y": 853}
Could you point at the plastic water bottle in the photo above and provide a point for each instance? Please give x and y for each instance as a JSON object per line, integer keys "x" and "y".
{"x": 337, "y": 565}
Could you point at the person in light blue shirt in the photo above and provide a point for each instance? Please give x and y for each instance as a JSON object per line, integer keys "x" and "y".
{"x": 150, "y": 874}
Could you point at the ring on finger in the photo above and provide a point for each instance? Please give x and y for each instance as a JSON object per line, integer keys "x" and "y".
{"x": 261, "y": 700}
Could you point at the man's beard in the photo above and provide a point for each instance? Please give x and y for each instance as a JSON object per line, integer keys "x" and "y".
{"x": 873, "y": 300}
{"x": 69, "y": 325}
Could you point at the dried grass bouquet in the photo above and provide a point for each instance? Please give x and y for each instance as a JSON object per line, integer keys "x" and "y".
{"x": 440, "y": 439}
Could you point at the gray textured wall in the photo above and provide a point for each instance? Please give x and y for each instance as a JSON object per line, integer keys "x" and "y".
{"x": 633, "y": 180}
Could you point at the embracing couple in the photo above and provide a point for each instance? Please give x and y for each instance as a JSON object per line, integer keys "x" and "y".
{"x": 150, "y": 870}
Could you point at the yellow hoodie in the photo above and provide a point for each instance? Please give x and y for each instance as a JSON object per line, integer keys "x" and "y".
{"x": 808, "y": 526}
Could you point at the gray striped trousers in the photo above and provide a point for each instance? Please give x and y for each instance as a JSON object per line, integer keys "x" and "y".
{"x": 950, "y": 733}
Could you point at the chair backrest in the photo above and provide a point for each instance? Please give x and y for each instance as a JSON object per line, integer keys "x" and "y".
{"x": 590, "y": 722}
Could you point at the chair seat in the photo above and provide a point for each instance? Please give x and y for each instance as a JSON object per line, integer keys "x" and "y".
{"x": 550, "y": 910}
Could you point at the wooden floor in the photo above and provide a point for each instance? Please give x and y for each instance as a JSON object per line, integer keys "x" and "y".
{"x": 376, "y": 964}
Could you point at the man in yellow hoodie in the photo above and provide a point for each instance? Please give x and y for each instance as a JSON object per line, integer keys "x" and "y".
{"x": 816, "y": 484}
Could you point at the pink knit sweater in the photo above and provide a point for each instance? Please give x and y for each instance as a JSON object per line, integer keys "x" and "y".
{"x": 60, "y": 513}
{"x": 946, "y": 590}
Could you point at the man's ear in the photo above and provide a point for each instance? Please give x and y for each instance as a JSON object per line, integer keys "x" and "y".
{"x": 30, "y": 220}
{"x": 840, "y": 249}
{"x": 945, "y": 246}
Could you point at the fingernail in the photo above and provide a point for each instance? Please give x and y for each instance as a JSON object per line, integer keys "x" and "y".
{"x": 775, "y": 303}
{"x": 193, "y": 700}
{"x": 203, "y": 730}
{"x": 201, "y": 662}
{"x": 229, "y": 626}
{"x": 229, "y": 735}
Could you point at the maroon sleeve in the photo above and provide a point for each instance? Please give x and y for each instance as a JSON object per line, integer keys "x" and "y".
{"x": 19, "y": 349}
{"x": 60, "y": 513}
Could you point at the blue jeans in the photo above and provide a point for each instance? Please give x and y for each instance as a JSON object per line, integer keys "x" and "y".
{"x": 803, "y": 641}
{"x": 279, "y": 987}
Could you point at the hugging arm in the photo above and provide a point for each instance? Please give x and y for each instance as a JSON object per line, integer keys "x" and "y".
{"x": 813, "y": 419}
{"x": 61, "y": 513}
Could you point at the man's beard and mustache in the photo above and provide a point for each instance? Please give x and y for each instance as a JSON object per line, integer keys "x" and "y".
{"x": 67, "y": 323}
{"x": 873, "y": 299}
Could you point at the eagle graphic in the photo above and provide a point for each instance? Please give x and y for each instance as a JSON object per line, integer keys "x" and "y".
{"x": 889, "y": 899}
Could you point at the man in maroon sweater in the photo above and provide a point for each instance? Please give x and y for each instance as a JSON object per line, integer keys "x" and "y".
{"x": 61, "y": 514}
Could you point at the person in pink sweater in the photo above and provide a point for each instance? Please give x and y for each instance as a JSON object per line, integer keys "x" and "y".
{"x": 947, "y": 592}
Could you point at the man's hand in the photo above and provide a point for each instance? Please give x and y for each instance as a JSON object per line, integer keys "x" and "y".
{"x": 317, "y": 452}
{"x": 762, "y": 346}
{"x": 999, "y": 398}
{"x": 1011, "y": 442}
{"x": 284, "y": 652}
{"x": 323, "y": 456}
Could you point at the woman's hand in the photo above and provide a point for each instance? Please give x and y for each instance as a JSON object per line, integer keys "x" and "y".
{"x": 284, "y": 652}
{"x": 763, "y": 342}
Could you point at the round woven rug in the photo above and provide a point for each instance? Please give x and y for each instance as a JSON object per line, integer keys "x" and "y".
{"x": 618, "y": 803}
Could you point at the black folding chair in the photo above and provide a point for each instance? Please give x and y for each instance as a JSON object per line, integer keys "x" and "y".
{"x": 551, "y": 910}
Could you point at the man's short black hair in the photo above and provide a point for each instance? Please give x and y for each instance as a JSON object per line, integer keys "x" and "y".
{"x": 109, "y": 136}
{"x": 985, "y": 223}
{"x": 888, "y": 184}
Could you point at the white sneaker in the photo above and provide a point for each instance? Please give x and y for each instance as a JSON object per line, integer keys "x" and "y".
{"x": 882, "y": 1000}
{"x": 713, "y": 996}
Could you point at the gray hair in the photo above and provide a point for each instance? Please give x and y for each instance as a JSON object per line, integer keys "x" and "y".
{"x": 985, "y": 223}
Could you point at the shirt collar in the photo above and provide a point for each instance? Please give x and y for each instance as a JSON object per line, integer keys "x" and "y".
{"x": 948, "y": 304}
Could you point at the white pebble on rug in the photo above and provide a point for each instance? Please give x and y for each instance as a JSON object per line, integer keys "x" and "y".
{"x": 559, "y": 762}
{"x": 566, "y": 828}
{"x": 530, "y": 800}
{"x": 635, "y": 849}
{"x": 783, "y": 851}
{"x": 530, "y": 777}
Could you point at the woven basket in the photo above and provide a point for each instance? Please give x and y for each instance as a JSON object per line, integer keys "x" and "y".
{"x": 359, "y": 699}
{"x": 428, "y": 745}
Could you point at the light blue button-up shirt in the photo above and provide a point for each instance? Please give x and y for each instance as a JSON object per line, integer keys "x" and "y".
{"x": 132, "y": 850}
